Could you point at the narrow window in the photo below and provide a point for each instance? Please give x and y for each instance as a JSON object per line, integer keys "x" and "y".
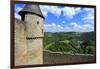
{"x": 37, "y": 22}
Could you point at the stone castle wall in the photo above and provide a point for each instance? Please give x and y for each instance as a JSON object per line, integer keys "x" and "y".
{"x": 28, "y": 51}
{"x": 57, "y": 58}
{"x": 20, "y": 43}
{"x": 34, "y": 25}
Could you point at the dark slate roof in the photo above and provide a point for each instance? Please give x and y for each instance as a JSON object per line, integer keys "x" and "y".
{"x": 33, "y": 9}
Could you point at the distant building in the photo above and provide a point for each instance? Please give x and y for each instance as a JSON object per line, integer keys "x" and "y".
{"x": 29, "y": 36}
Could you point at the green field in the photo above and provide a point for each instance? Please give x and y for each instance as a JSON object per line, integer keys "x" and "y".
{"x": 73, "y": 42}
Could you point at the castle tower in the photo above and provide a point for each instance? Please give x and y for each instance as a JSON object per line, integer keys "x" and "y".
{"x": 34, "y": 20}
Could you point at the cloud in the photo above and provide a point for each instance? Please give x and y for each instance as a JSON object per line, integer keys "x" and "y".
{"x": 17, "y": 16}
{"x": 88, "y": 17}
{"x": 72, "y": 27}
{"x": 88, "y": 9}
{"x": 50, "y": 9}
{"x": 88, "y": 27}
{"x": 45, "y": 10}
{"x": 63, "y": 21}
{"x": 53, "y": 27}
{"x": 80, "y": 28}
{"x": 70, "y": 12}
{"x": 17, "y": 9}
{"x": 55, "y": 10}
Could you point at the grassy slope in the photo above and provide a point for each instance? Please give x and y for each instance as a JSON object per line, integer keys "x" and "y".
{"x": 67, "y": 42}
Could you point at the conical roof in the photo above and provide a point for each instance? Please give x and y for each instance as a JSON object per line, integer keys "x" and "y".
{"x": 33, "y": 9}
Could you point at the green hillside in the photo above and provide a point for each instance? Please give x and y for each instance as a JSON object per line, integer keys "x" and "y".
{"x": 73, "y": 42}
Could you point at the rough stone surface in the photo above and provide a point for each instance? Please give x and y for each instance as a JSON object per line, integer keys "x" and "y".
{"x": 34, "y": 26}
{"x": 34, "y": 50}
{"x": 20, "y": 43}
{"x": 57, "y": 58}
{"x": 28, "y": 51}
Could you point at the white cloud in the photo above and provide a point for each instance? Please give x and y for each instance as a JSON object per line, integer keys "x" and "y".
{"x": 88, "y": 27}
{"x": 72, "y": 27}
{"x": 88, "y": 9}
{"x": 50, "y": 9}
{"x": 88, "y": 17}
{"x": 63, "y": 21}
{"x": 70, "y": 12}
{"x": 16, "y": 10}
{"x": 53, "y": 27}
{"x": 55, "y": 10}
{"x": 17, "y": 16}
{"x": 75, "y": 27}
{"x": 45, "y": 10}
{"x": 80, "y": 28}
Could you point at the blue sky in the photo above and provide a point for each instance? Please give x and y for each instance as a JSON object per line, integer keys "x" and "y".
{"x": 64, "y": 18}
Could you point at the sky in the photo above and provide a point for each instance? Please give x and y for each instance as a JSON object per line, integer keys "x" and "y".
{"x": 64, "y": 18}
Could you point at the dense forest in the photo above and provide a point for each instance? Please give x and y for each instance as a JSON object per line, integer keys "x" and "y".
{"x": 72, "y": 42}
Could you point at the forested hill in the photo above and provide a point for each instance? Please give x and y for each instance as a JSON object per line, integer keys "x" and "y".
{"x": 74, "y": 42}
